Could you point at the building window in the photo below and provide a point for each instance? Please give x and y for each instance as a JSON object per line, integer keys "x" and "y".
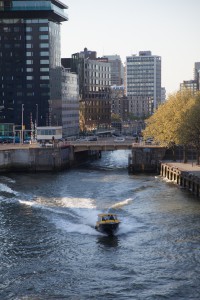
{"x": 44, "y": 28}
{"x": 44, "y": 53}
{"x": 29, "y": 61}
{"x": 43, "y": 37}
{"x": 29, "y": 53}
{"x": 29, "y": 37}
{"x": 6, "y": 29}
{"x": 44, "y": 77}
{"x": 29, "y": 69}
{"x": 29, "y": 77}
{"x": 44, "y": 45}
{"x": 44, "y": 61}
{"x": 44, "y": 69}
{"x": 28, "y": 29}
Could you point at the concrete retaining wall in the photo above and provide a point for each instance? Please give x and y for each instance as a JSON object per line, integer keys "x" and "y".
{"x": 36, "y": 159}
{"x": 145, "y": 159}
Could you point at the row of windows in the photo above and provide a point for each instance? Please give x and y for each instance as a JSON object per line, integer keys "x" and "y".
{"x": 41, "y": 77}
{"x": 97, "y": 67}
{"x": 21, "y": 21}
{"x": 28, "y": 37}
{"x": 142, "y": 59}
{"x": 41, "y": 53}
{"x": 41, "y": 45}
{"x": 30, "y": 29}
{"x": 28, "y": 86}
{"x": 8, "y": 29}
{"x": 41, "y": 37}
{"x": 20, "y": 45}
{"x": 42, "y": 61}
{"x": 41, "y": 70}
{"x": 138, "y": 92}
{"x": 31, "y": 94}
{"x": 97, "y": 74}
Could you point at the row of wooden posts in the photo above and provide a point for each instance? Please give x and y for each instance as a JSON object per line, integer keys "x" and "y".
{"x": 187, "y": 180}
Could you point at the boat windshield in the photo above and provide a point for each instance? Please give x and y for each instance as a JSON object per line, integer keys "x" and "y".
{"x": 108, "y": 217}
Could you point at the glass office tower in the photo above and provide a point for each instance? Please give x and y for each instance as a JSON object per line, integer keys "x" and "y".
{"x": 30, "y": 60}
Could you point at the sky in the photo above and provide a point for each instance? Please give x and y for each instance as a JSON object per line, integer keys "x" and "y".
{"x": 168, "y": 28}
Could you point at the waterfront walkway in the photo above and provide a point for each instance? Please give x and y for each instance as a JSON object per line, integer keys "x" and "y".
{"x": 186, "y": 175}
{"x": 189, "y": 167}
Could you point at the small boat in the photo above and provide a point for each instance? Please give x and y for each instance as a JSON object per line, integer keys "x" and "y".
{"x": 107, "y": 223}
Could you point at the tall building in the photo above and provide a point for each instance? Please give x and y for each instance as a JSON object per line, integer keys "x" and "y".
{"x": 197, "y": 74}
{"x": 70, "y": 103}
{"x": 190, "y": 85}
{"x": 117, "y": 69}
{"x": 30, "y": 61}
{"x": 94, "y": 88}
{"x": 163, "y": 94}
{"x": 119, "y": 105}
{"x": 143, "y": 83}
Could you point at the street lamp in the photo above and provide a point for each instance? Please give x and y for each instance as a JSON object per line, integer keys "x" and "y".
{"x": 22, "y": 137}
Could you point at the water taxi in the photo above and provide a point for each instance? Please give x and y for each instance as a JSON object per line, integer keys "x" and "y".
{"x": 107, "y": 223}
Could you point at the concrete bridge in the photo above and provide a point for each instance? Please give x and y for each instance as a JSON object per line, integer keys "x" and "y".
{"x": 109, "y": 144}
{"x": 34, "y": 157}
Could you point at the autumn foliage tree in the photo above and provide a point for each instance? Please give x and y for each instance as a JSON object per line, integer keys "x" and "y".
{"x": 177, "y": 121}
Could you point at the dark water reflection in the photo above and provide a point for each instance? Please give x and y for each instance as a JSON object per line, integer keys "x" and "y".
{"x": 108, "y": 241}
{"x": 50, "y": 249}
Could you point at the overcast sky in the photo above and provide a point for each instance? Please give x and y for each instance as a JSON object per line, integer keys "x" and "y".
{"x": 168, "y": 28}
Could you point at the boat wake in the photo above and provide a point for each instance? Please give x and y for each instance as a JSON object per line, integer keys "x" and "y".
{"x": 121, "y": 203}
{"x": 76, "y": 215}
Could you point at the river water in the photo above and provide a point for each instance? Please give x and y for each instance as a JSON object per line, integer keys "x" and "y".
{"x": 49, "y": 248}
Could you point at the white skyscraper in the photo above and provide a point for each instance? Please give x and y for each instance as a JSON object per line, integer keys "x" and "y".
{"x": 143, "y": 83}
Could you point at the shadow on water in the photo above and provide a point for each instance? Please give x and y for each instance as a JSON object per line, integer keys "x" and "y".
{"x": 108, "y": 241}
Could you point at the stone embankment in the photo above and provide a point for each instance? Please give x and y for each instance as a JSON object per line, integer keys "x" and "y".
{"x": 34, "y": 158}
{"x": 186, "y": 175}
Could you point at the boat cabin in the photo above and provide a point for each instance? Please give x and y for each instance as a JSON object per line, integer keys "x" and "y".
{"x": 107, "y": 217}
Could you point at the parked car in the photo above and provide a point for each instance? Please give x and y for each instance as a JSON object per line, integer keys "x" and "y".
{"x": 119, "y": 139}
{"x": 92, "y": 138}
{"x": 149, "y": 141}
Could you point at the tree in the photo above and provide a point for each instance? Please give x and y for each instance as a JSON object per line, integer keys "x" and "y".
{"x": 190, "y": 128}
{"x": 172, "y": 124}
{"x": 115, "y": 117}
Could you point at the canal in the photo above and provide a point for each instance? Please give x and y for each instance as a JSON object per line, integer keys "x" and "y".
{"x": 49, "y": 248}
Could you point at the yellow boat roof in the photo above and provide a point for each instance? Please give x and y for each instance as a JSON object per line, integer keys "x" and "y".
{"x": 104, "y": 215}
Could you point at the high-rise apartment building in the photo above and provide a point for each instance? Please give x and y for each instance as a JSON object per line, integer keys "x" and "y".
{"x": 94, "y": 88}
{"x": 143, "y": 83}
{"x": 30, "y": 61}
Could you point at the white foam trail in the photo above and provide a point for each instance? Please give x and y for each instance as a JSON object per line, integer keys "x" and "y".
{"x": 77, "y": 202}
{"x": 122, "y": 203}
{"x": 125, "y": 228}
{"x": 5, "y": 188}
{"x": 30, "y": 203}
{"x": 75, "y": 228}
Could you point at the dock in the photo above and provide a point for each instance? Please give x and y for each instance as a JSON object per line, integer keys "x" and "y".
{"x": 186, "y": 175}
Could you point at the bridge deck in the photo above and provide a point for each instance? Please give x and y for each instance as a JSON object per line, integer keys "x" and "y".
{"x": 109, "y": 145}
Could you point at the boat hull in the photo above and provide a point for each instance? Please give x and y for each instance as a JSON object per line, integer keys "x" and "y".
{"x": 109, "y": 229}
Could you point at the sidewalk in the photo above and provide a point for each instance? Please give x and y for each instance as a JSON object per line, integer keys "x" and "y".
{"x": 190, "y": 167}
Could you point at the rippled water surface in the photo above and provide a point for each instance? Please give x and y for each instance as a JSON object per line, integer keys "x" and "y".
{"x": 49, "y": 248}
